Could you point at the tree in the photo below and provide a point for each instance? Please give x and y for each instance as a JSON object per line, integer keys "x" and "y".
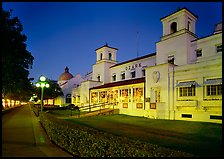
{"x": 52, "y": 92}
{"x": 16, "y": 60}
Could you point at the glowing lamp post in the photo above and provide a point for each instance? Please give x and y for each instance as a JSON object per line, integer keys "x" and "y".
{"x": 42, "y": 84}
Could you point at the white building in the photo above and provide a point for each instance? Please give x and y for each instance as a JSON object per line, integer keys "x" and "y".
{"x": 181, "y": 81}
{"x": 67, "y": 83}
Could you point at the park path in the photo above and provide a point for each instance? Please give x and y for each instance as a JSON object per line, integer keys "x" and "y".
{"x": 23, "y": 136}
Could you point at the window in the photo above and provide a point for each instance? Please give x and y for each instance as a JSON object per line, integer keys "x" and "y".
{"x": 187, "y": 91}
{"x": 122, "y": 75}
{"x": 143, "y": 73}
{"x": 186, "y": 115}
{"x": 213, "y": 90}
{"x": 217, "y": 117}
{"x": 101, "y": 56}
{"x": 68, "y": 98}
{"x": 133, "y": 74}
{"x": 139, "y": 105}
{"x": 188, "y": 25}
{"x": 219, "y": 48}
{"x": 173, "y": 27}
{"x": 98, "y": 78}
{"x": 110, "y": 56}
{"x": 171, "y": 59}
{"x": 114, "y": 77}
{"x": 199, "y": 52}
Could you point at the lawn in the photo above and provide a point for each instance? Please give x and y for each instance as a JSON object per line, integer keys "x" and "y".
{"x": 199, "y": 138}
{"x": 66, "y": 112}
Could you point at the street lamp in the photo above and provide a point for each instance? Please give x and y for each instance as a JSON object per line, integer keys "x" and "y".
{"x": 42, "y": 84}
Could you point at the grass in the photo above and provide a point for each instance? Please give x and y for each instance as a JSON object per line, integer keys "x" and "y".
{"x": 64, "y": 113}
{"x": 199, "y": 138}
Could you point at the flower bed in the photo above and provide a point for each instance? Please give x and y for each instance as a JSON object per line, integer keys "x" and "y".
{"x": 83, "y": 141}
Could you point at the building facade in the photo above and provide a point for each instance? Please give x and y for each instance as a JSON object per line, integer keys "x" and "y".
{"x": 182, "y": 80}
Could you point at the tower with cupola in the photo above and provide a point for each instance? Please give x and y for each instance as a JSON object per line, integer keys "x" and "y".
{"x": 178, "y": 33}
{"x": 105, "y": 58}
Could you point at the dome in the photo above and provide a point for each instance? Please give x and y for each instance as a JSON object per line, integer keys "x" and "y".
{"x": 66, "y": 75}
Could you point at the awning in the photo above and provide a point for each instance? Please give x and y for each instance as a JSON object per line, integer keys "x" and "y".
{"x": 213, "y": 81}
{"x": 187, "y": 84}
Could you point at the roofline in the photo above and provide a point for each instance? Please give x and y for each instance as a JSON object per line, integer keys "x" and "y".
{"x": 106, "y": 46}
{"x": 135, "y": 59}
{"x": 179, "y": 11}
{"x": 206, "y": 36}
{"x": 120, "y": 83}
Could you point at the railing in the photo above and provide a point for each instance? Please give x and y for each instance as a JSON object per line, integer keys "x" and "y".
{"x": 98, "y": 105}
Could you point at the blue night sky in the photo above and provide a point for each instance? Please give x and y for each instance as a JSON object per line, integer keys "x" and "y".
{"x": 61, "y": 34}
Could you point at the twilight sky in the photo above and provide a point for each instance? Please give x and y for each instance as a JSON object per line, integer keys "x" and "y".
{"x": 61, "y": 34}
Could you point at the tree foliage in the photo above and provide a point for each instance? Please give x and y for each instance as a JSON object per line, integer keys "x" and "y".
{"x": 52, "y": 92}
{"x": 16, "y": 60}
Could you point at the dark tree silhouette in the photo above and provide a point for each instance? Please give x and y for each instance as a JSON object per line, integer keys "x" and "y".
{"x": 16, "y": 60}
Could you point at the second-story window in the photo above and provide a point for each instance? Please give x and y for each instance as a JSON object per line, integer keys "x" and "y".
{"x": 98, "y": 78}
{"x": 143, "y": 73}
{"x": 199, "y": 52}
{"x": 114, "y": 77}
{"x": 187, "y": 91}
{"x": 218, "y": 48}
{"x": 171, "y": 59}
{"x": 123, "y": 75}
{"x": 133, "y": 74}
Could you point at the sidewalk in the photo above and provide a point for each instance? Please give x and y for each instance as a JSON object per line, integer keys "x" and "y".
{"x": 23, "y": 136}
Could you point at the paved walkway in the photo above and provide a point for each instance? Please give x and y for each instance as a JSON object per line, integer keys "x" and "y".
{"x": 23, "y": 136}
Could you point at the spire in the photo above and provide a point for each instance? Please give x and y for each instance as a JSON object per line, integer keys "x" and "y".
{"x": 66, "y": 69}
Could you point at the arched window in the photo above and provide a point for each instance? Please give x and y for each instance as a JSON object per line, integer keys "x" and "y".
{"x": 68, "y": 98}
{"x": 110, "y": 56}
{"x": 98, "y": 78}
{"x": 188, "y": 25}
{"x": 173, "y": 27}
{"x": 101, "y": 56}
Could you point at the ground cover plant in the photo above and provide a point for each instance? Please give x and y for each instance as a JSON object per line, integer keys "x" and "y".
{"x": 84, "y": 141}
{"x": 199, "y": 138}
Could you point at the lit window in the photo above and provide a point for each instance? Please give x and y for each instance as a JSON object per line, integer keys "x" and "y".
{"x": 219, "y": 48}
{"x": 171, "y": 59}
{"x": 187, "y": 91}
{"x": 133, "y": 74}
{"x": 199, "y": 52}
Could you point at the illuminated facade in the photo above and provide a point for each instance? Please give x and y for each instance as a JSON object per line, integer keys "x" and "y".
{"x": 181, "y": 81}
{"x": 67, "y": 82}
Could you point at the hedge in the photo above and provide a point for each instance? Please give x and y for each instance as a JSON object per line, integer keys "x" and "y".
{"x": 83, "y": 141}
